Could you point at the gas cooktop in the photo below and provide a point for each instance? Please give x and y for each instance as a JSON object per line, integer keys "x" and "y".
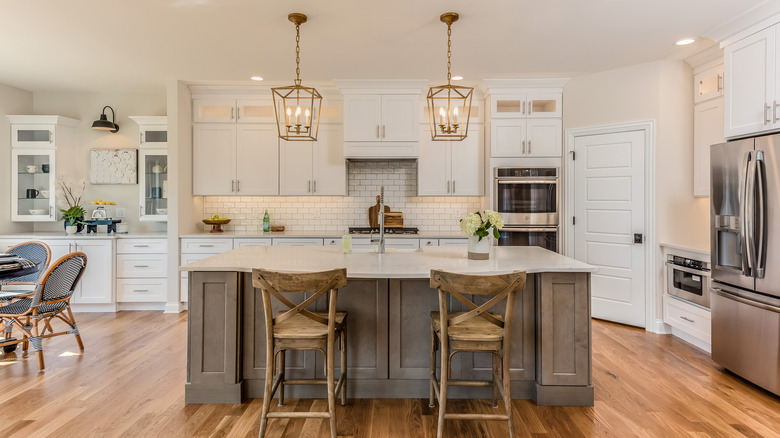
{"x": 369, "y": 230}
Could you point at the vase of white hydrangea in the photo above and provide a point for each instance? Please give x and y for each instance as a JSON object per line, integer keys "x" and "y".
{"x": 480, "y": 227}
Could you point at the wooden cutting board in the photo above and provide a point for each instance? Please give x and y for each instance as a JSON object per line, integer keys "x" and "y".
{"x": 373, "y": 214}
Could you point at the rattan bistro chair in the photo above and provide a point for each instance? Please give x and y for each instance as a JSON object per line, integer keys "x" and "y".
{"x": 301, "y": 329}
{"x": 476, "y": 330}
{"x": 50, "y": 301}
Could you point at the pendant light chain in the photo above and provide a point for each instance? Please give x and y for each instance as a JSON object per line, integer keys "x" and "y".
{"x": 449, "y": 52}
{"x": 298, "y": 54}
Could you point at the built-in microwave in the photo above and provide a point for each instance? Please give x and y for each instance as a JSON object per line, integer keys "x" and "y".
{"x": 688, "y": 279}
{"x": 526, "y": 195}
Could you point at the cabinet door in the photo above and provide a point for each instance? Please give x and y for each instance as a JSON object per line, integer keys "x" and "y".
{"x": 154, "y": 136}
{"x": 433, "y": 166}
{"x": 213, "y": 159}
{"x": 214, "y": 110}
{"x": 32, "y": 136}
{"x": 255, "y": 111}
{"x": 153, "y": 184}
{"x": 362, "y": 117}
{"x": 257, "y": 160}
{"x": 508, "y": 106}
{"x": 750, "y": 76}
{"x": 708, "y": 84}
{"x": 96, "y": 283}
{"x": 295, "y": 164}
{"x": 544, "y": 105}
{"x": 707, "y": 130}
{"x": 399, "y": 118}
{"x": 507, "y": 138}
{"x": 33, "y": 190}
{"x": 329, "y": 167}
{"x": 467, "y": 164}
{"x": 60, "y": 248}
{"x": 544, "y": 138}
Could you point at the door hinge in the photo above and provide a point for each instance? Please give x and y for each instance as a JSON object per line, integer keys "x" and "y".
{"x": 574, "y": 220}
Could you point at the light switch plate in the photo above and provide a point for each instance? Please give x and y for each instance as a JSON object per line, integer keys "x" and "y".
{"x": 120, "y": 213}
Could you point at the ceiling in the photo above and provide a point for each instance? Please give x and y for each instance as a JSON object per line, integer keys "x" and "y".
{"x": 139, "y": 45}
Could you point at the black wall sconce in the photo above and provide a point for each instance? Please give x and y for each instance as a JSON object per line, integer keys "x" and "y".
{"x": 103, "y": 124}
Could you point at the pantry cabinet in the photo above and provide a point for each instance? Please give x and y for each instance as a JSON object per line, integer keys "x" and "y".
{"x": 235, "y": 159}
{"x": 313, "y": 168}
{"x": 451, "y": 168}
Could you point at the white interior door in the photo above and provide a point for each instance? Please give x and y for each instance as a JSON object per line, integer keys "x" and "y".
{"x": 609, "y": 209}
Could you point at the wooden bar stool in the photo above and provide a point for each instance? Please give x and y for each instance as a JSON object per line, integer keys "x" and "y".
{"x": 301, "y": 329}
{"x": 477, "y": 331}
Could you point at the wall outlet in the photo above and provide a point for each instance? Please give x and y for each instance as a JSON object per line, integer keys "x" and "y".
{"x": 120, "y": 213}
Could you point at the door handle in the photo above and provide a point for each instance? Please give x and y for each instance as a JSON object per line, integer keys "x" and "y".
{"x": 762, "y": 214}
{"x": 448, "y": 186}
{"x": 637, "y": 237}
{"x": 530, "y": 107}
{"x": 238, "y": 113}
{"x": 238, "y": 185}
{"x": 720, "y": 83}
{"x": 314, "y": 186}
{"x": 140, "y": 211}
{"x": 383, "y": 131}
{"x": 529, "y": 146}
{"x": 231, "y": 113}
{"x": 141, "y": 137}
{"x": 743, "y": 214}
{"x": 687, "y": 319}
{"x": 774, "y": 111}
{"x": 523, "y": 111}
{"x": 766, "y": 114}
{"x": 453, "y": 187}
{"x": 377, "y": 131}
{"x": 308, "y": 190}
{"x": 232, "y": 185}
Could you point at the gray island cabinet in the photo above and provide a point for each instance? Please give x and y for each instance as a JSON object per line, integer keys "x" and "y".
{"x": 389, "y": 303}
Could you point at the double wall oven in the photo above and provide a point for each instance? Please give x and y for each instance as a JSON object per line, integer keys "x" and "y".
{"x": 528, "y": 200}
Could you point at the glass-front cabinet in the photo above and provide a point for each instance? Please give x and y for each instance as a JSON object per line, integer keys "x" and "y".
{"x": 38, "y": 143}
{"x": 153, "y": 166}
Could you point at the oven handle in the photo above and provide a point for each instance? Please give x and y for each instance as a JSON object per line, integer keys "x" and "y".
{"x": 688, "y": 270}
{"x": 529, "y": 181}
{"x": 529, "y": 230}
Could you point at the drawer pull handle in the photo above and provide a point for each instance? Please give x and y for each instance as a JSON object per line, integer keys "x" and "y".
{"x": 205, "y": 246}
{"x": 140, "y": 246}
{"x": 140, "y": 266}
{"x": 687, "y": 319}
{"x": 140, "y": 290}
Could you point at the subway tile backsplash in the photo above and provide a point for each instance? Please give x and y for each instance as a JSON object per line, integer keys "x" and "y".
{"x": 336, "y": 212}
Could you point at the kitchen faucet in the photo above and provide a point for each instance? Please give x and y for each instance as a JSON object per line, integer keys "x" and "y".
{"x": 381, "y": 215}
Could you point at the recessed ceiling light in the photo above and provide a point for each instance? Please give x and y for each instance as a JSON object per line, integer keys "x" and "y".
{"x": 256, "y": 78}
{"x": 457, "y": 78}
{"x": 684, "y": 42}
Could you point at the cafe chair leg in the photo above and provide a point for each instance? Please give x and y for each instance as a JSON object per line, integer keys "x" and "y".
{"x": 343, "y": 365}
{"x": 282, "y": 355}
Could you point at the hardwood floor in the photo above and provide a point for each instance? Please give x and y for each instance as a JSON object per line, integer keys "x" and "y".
{"x": 130, "y": 383}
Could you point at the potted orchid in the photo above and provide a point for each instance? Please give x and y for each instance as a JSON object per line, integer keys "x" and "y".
{"x": 479, "y": 226}
{"x": 74, "y": 214}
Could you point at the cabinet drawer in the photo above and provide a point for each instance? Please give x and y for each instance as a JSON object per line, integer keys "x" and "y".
{"x": 141, "y": 265}
{"x": 401, "y": 243}
{"x": 206, "y": 246}
{"x": 453, "y": 242}
{"x": 429, "y": 242}
{"x": 141, "y": 246}
{"x": 688, "y": 318}
{"x": 297, "y": 242}
{"x": 141, "y": 290}
{"x": 332, "y": 242}
{"x": 260, "y": 241}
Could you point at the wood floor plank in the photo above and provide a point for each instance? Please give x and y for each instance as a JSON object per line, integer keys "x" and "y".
{"x": 129, "y": 382}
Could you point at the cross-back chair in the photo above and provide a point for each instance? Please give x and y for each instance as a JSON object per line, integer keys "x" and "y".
{"x": 301, "y": 329}
{"x": 50, "y": 301}
{"x": 475, "y": 330}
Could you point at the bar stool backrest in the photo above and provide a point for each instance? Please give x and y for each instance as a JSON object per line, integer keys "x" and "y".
{"x": 59, "y": 282}
{"x": 500, "y": 287}
{"x": 34, "y": 250}
{"x": 318, "y": 283}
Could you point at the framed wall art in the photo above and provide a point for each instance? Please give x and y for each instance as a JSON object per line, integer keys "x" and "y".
{"x": 113, "y": 166}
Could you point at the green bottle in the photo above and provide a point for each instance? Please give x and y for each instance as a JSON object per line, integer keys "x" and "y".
{"x": 266, "y": 222}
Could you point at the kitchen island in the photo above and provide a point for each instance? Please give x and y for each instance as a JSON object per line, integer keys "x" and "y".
{"x": 389, "y": 300}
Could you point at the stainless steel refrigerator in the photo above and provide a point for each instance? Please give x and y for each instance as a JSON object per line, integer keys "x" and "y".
{"x": 745, "y": 246}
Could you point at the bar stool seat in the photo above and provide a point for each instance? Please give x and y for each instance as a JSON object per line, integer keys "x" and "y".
{"x": 301, "y": 329}
{"x": 475, "y": 333}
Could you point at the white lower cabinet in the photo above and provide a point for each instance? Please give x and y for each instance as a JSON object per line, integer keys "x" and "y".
{"x": 453, "y": 242}
{"x": 297, "y": 241}
{"x": 251, "y": 241}
{"x": 141, "y": 270}
{"x": 691, "y": 322}
{"x": 95, "y": 285}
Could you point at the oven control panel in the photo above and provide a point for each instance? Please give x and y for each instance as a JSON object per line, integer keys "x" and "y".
{"x": 689, "y": 263}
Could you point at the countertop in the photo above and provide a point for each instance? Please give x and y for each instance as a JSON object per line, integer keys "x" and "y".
{"x": 393, "y": 264}
{"x": 325, "y": 234}
{"x": 48, "y": 235}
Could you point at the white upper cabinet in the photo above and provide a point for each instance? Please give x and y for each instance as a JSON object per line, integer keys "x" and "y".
{"x": 363, "y": 118}
{"x": 450, "y": 168}
{"x": 233, "y": 111}
{"x": 213, "y": 159}
{"x": 399, "y": 117}
{"x": 391, "y": 117}
{"x": 708, "y": 84}
{"x": 257, "y": 160}
{"x": 707, "y": 130}
{"x": 526, "y": 138}
{"x": 153, "y": 131}
{"x": 313, "y": 168}
{"x": 534, "y": 105}
{"x": 751, "y": 105}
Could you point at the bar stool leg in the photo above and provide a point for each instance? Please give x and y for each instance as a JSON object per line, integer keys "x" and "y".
{"x": 269, "y": 376}
{"x": 445, "y": 375}
{"x": 507, "y": 394}
{"x": 343, "y": 365}
{"x": 431, "y": 401}
{"x": 495, "y": 382}
{"x": 331, "y": 384}
{"x": 281, "y": 376}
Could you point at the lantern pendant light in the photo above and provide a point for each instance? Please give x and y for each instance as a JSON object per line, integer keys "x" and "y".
{"x": 449, "y": 106}
{"x": 297, "y": 108}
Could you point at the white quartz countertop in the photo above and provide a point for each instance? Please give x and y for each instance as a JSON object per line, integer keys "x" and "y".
{"x": 47, "y": 235}
{"x": 325, "y": 234}
{"x": 392, "y": 264}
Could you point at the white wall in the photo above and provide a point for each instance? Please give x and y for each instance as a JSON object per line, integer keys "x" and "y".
{"x": 87, "y": 107}
{"x": 12, "y": 101}
{"x": 661, "y": 91}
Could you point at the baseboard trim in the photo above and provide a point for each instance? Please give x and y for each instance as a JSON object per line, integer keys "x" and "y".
{"x": 660, "y": 327}
{"x": 174, "y": 307}
{"x": 140, "y": 306}
{"x": 89, "y": 308}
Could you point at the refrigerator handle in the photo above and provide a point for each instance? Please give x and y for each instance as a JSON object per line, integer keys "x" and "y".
{"x": 762, "y": 214}
{"x": 743, "y": 215}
